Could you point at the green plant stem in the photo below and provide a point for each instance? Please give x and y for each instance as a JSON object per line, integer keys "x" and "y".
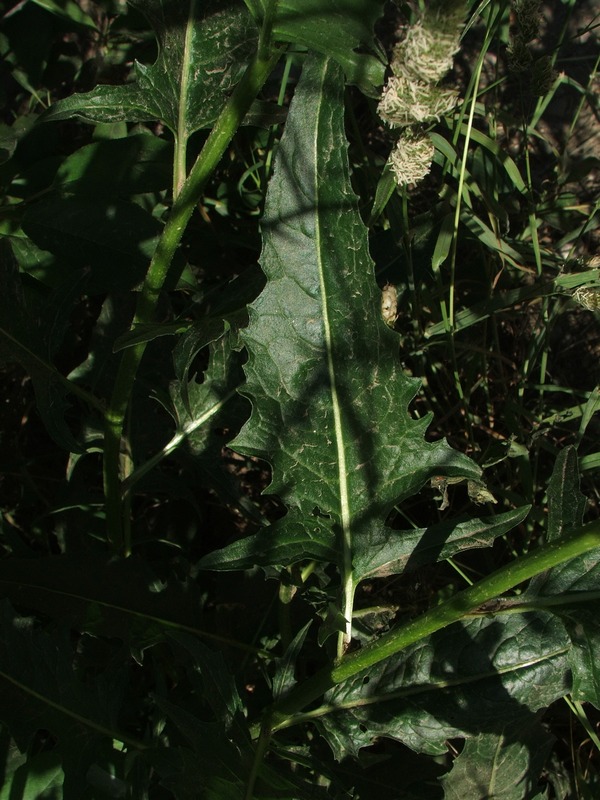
{"x": 281, "y": 714}
{"x": 172, "y": 445}
{"x": 227, "y": 124}
{"x": 260, "y": 752}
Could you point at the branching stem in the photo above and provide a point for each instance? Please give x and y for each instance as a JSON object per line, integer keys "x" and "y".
{"x": 227, "y": 124}
{"x": 462, "y": 604}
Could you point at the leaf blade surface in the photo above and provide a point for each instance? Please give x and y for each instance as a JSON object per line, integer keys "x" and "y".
{"x": 330, "y": 400}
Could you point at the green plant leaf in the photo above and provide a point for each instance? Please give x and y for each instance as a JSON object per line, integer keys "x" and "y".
{"x": 382, "y": 551}
{"x": 202, "y": 333}
{"x": 285, "y": 667}
{"x": 285, "y": 542}
{"x": 504, "y": 766}
{"x": 213, "y": 762}
{"x": 334, "y": 28}
{"x": 566, "y": 503}
{"x": 208, "y": 414}
{"x": 8, "y": 143}
{"x": 213, "y": 682}
{"x": 474, "y": 678}
{"x": 115, "y": 240}
{"x": 330, "y": 400}
{"x": 566, "y": 506}
{"x": 203, "y": 49}
{"x": 148, "y": 333}
{"x": 38, "y": 776}
{"x": 39, "y": 690}
{"x": 117, "y": 598}
{"x": 117, "y": 168}
{"x": 23, "y": 340}
{"x": 68, "y": 10}
{"x": 231, "y": 745}
{"x": 580, "y": 576}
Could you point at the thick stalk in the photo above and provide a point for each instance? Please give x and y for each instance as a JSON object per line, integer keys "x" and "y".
{"x": 227, "y": 124}
{"x": 459, "y": 606}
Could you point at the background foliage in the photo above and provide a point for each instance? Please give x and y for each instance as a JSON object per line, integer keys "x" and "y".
{"x": 238, "y": 506}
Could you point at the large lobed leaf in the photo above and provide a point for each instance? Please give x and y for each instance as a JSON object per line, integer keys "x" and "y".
{"x": 203, "y": 50}
{"x": 330, "y": 401}
{"x": 476, "y": 678}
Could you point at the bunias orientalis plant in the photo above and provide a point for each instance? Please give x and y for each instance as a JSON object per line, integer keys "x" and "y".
{"x": 412, "y": 97}
{"x": 332, "y": 416}
{"x": 329, "y": 396}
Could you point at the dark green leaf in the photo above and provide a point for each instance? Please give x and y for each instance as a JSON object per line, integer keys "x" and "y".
{"x": 503, "y": 766}
{"x": 574, "y": 584}
{"x": 201, "y": 334}
{"x": 68, "y": 10}
{"x": 115, "y": 240}
{"x": 583, "y": 626}
{"x": 335, "y": 28}
{"x": 39, "y": 690}
{"x": 148, "y": 333}
{"x": 182, "y": 772}
{"x": 216, "y": 756}
{"x": 203, "y": 49}
{"x": 474, "y": 678}
{"x": 8, "y": 143}
{"x": 38, "y": 776}
{"x": 566, "y": 503}
{"x": 330, "y": 400}
{"x": 117, "y": 168}
{"x": 207, "y": 414}
{"x": 285, "y": 667}
{"x": 216, "y": 685}
{"x": 118, "y": 598}
{"x": 23, "y": 340}
{"x": 287, "y": 541}
{"x": 383, "y": 552}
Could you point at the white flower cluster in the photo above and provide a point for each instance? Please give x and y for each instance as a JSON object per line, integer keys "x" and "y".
{"x": 412, "y": 157}
{"x": 411, "y": 97}
{"x": 406, "y": 101}
{"x": 424, "y": 53}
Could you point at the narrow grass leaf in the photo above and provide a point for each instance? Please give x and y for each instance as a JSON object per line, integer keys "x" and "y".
{"x": 443, "y": 242}
{"x": 500, "y": 156}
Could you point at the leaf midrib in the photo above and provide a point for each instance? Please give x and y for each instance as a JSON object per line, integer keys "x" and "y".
{"x": 344, "y": 495}
{"x": 184, "y": 83}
